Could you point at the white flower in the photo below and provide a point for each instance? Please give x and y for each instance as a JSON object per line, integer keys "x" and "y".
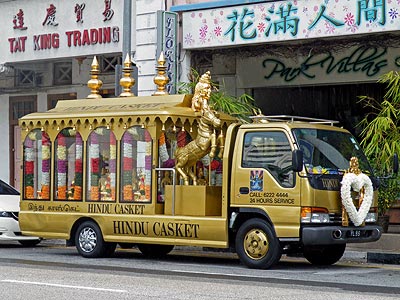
{"x": 355, "y": 182}
{"x": 78, "y": 151}
{"x": 29, "y": 154}
{"x": 45, "y": 152}
{"x": 94, "y": 151}
{"x": 45, "y": 178}
{"x": 61, "y": 179}
{"x": 127, "y": 148}
{"x": 163, "y": 153}
{"x": 61, "y": 152}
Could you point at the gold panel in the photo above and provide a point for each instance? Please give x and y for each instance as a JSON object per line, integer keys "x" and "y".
{"x": 197, "y": 200}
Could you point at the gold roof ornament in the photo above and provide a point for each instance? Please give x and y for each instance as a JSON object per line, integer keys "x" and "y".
{"x": 202, "y": 92}
{"x": 161, "y": 79}
{"x": 354, "y": 167}
{"x": 94, "y": 83}
{"x": 127, "y": 81}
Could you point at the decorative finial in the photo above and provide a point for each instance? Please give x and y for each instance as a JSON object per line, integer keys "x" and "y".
{"x": 127, "y": 81}
{"x": 205, "y": 78}
{"x": 94, "y": 83}
{"x": 161, "y": 80}
{"x": 202, "y": 92}
{"x": 354, "y": 167}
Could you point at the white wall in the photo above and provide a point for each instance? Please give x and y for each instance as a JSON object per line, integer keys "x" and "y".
{"x": 4, "y": 145}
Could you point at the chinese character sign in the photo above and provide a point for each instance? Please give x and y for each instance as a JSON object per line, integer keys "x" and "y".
{"x": 287, "y": 20}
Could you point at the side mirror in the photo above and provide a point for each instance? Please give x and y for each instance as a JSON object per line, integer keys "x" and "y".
{"x": 297, "y": 160}
{"x": 395, "y": 163}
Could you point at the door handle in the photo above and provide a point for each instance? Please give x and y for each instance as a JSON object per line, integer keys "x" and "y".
{"x": 244, "y": 190}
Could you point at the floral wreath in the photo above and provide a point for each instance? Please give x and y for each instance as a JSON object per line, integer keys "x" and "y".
{"x": 356, "y": 182}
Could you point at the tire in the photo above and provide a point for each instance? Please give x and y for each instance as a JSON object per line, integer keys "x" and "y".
{"x": 324, "y": 255}
{"x": 29, "y": 243}
{"x": 89, "y": 241}
{"x": 155, "y": 251}
{"x": 257, "y": 245}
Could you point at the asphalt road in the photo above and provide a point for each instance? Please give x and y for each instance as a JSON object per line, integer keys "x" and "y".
{"x": 53, "y": 271}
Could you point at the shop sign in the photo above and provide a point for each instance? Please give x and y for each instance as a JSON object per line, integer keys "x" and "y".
{"x": 287, "y": 20}
{"x": 167, "y": 42}
{"x": 356, "y": 64}
{"x": 33, "y": 30}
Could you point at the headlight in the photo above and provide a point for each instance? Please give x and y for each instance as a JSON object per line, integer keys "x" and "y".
{"x": 5, "y": 214}
{"x": 371, "y": 217}
{"x": 314, "y": 215}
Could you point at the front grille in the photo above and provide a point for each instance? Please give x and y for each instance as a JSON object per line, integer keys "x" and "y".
{"x": 335, "y": 218}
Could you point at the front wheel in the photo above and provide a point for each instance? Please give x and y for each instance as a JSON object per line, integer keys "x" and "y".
{"x": 324, "y": 255}
{"x": 89, "y": 241}
{"x": 257, "y": 245}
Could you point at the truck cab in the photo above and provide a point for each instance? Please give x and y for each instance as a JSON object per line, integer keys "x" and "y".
{"x": 274, "y": 209}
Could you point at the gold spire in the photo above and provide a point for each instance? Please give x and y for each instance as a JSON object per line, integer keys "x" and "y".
{"x": 127, "y": 81}
{"x": 94, "y": 83}
{"x": 161, "y": 80}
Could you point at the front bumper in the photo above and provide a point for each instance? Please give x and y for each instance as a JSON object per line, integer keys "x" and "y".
{"x": 328, "y": 235}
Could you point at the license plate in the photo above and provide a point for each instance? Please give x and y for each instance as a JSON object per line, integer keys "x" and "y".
{"x": 354, "y": 233}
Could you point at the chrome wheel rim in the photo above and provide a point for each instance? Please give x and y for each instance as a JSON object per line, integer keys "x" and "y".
{"x": 87, "y": 240}
{"x": 256, "y": 244}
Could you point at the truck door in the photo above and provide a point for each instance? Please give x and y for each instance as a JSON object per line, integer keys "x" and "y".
{"x": 263, "y": 178}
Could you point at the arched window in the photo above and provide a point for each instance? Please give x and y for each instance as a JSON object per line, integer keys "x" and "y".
{"x": 136, "y": 160}
{"x": 68, "y": 165}
{"x": 101, "y": 165}
{"x": 37, "y": 151}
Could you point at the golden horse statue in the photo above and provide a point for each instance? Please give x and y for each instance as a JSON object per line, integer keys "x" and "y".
{"x": 206, "y": 140}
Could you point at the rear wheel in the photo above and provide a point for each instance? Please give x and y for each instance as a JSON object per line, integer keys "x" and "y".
{"x": 155, "y": 251}
{"x": 324, "y": 255}
{"x": 257, "y": 245}
{"x": 89, "y": 241}
{"x": 29, "y": 243}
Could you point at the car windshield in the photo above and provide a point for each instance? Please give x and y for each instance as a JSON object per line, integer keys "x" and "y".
{"x": 5, "y": 189}
{"x": 328, "y": 151}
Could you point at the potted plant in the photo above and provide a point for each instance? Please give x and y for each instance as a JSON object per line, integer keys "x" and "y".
{"x": 380, "y": 137}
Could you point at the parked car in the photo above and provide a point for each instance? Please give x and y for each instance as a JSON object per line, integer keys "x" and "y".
{"x": 9, "y": 209}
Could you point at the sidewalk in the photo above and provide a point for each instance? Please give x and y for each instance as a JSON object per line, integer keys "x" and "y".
{"x": 386, "y": 250}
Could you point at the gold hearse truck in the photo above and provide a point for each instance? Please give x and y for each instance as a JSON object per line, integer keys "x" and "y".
{"x": 166, "y": 170}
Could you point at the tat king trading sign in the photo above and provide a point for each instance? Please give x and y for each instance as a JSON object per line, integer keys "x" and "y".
{"x": 287, "y": 20}
{"x": 34, "y": 30}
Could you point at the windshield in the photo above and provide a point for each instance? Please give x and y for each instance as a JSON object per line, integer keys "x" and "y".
{"x": 329, "y": 152}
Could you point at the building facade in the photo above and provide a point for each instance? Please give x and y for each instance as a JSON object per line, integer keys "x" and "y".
{"x": 304, "y": 57}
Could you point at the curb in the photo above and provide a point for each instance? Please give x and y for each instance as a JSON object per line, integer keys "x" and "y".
{"x": 383, "y": 258}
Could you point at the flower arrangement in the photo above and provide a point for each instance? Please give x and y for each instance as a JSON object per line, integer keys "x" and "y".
{"x": 147, "y": 165}
{"x": 45, "y": 190}
{"x": 29, "y": 168}
{"x": 127, "y": 164}
{"x": 61, "y": 167}
{"x": 78, "y": 167}
{"x": 355, "y": 182}
{"x": 113, "y": 164}
{"x": 162, "y": 148}
{"x": 94, "y": 156}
